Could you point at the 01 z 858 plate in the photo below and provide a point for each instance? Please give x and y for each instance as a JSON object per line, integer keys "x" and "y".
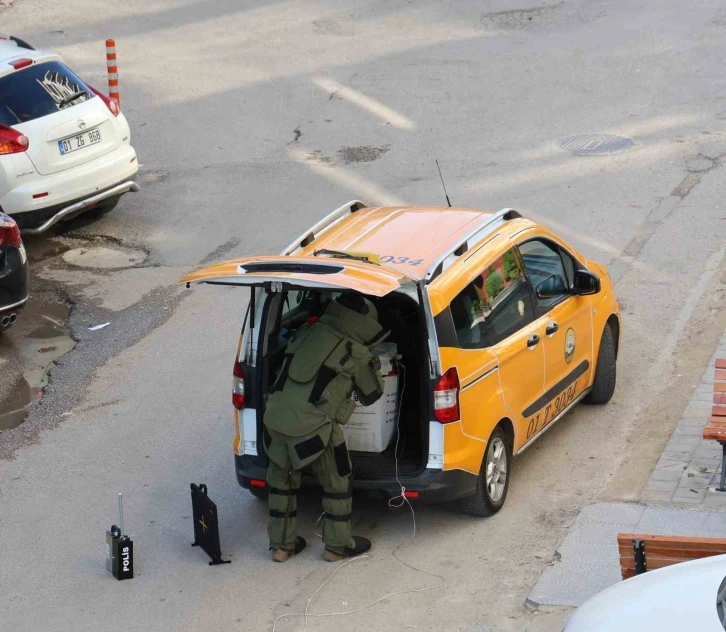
{"x": 79, "y": 141}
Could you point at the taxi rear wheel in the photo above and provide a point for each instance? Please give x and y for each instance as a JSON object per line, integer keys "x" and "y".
{"x": 493, "y": 481}
{"x": 605, "y": 371}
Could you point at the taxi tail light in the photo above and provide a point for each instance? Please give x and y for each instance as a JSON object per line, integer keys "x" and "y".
{"x": 446, "y": 397}
{"x": 256, "y": 482}
{"x": 12, "y": 141}
{"x": 9, "y": 234}
{"x": 238, "y": 386}
{"x": 111, "y": 104}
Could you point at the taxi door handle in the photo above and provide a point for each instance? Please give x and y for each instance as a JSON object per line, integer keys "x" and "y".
{"x": 551, "y": 328}
{"x": 533, "y": 341}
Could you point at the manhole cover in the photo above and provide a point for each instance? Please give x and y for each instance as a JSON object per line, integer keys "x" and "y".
{"x": 104, "y": 257}
{"x": 591, "y": 144}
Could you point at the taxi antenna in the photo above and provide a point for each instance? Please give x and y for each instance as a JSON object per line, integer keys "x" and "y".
{"x": 442, "y": 183}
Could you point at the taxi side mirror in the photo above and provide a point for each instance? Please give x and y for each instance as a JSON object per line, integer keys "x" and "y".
{"x": 586, "y": 283}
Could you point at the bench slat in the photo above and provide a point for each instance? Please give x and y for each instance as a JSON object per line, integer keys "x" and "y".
{"x": 721, "y": 363}
{"x": 669, "y": 539}
{"x": 715, "y": 428}
{"x": 715, "y": 431}
{"x": 628, "y": 569}
{"x": 658, "y": 562}
{"x": 665, "y": 550}
{"x": 654, "y": 552}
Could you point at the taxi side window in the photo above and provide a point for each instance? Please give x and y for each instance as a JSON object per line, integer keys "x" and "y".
{"x": 550, "y": 271}
{"x": 495, "y": 305}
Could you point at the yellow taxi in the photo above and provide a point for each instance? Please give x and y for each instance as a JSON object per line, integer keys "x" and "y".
{"x": 500, "y": 328}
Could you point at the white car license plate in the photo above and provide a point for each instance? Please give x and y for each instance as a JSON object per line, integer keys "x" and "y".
{"x": 74, "y": 143}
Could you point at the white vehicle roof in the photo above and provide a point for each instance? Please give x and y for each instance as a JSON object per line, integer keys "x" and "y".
{"x": 679, "y": 597}
{"x": 9, "y": 50}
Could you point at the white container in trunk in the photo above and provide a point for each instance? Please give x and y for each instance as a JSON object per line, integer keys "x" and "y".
{"x": 372, "y": 428}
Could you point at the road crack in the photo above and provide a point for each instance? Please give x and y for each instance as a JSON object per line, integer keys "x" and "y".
{"x": 697, "y": 167}
{"x": 297, "y": 134}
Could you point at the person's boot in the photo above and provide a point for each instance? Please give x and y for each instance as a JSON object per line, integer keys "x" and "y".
{"x": 280, "y": 555}
{"x": 362, "y": 545}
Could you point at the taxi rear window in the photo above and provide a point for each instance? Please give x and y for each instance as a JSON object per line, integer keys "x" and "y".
{"x": 39, "y": 90}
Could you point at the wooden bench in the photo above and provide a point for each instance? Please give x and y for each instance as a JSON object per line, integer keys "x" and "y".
{"x": 715, "y": 429}
{"x": 641, "y": 552}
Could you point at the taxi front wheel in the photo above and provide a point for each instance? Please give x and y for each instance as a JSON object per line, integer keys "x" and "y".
{"x": 493, "y": 482}
{"x": 605, "y": 372}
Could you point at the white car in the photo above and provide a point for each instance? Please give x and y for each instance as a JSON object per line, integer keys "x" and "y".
{"x": 685, "y": 596}
{"x": 64, "y": 146}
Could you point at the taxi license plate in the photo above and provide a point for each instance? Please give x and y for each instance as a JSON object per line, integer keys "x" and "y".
{"x": 81, "y": 141}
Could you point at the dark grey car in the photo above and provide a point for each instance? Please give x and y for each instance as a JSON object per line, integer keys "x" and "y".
{"x": 13, "y": 272}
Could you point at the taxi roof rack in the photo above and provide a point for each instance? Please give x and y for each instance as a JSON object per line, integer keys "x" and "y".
{"x": 310, "y": 235}
{"x": 462, "y": 246}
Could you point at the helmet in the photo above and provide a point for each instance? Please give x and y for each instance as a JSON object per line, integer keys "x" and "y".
{"x": 358, "y": 303}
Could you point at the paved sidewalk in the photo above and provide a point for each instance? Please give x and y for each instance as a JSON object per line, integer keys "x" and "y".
{"x": 679, "y": 499}
{"x": 588, "y": 561}
{"x": 688, "y": 471}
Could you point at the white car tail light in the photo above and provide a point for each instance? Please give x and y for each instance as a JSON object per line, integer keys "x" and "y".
{"x": 111, "y": 104}
{"x": 12, "y": 141}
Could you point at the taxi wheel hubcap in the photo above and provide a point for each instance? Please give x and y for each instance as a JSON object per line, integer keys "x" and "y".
{"x": 496, "y": 469}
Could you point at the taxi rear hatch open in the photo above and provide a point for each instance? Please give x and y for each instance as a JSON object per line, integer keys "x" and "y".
{"x": 279, "y": 275}
{"x": 285, "y": 272}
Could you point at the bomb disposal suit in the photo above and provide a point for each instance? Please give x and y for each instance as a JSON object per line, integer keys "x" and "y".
{"x": 324, "y": 363}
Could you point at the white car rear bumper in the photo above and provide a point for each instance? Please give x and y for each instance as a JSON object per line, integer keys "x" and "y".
{"x": 72, "y": 186}
{"x": 76, "y": 207}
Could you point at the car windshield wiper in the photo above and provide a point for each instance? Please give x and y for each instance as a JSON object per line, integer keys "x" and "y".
{"x": 341, "y": 254}
{"x": 17, "y": 118}
{"x": 72, "y": 97}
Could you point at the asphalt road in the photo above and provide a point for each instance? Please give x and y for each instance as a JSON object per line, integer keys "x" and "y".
{"x": 252, "y": 120}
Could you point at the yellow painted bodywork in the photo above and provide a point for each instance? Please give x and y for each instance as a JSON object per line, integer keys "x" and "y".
{"x": 497, "y": 383}
{"x": 522, "y": 375}
{"x": 360, "y": 276}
